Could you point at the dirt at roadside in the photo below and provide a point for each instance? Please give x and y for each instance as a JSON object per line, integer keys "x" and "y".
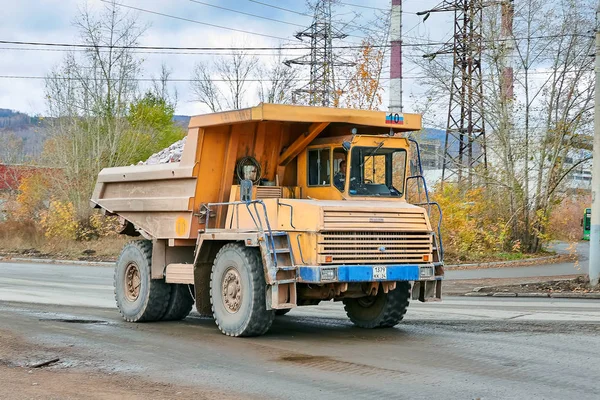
{"x": 579, "y": 284}
{"x": 58, "y": 381}
{"x": 461, "y": 287}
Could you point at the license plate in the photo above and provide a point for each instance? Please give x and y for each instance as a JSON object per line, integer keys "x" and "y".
{"x": 379, "y": 273}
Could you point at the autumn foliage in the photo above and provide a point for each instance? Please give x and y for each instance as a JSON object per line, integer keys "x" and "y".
{"x": 474, "y": 223}
{"x": 364, "y": 89}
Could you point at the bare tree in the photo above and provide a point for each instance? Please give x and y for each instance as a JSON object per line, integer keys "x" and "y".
{"x": 278, "y": 81}
{"x": 160, "y": 86}
{"x": 224, "y": 81}
{"x": 205, "y": 89}
{"x": 235, "y": 71}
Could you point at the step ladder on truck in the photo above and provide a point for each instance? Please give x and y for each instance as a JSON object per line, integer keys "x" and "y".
{"x": 275, "y": 207}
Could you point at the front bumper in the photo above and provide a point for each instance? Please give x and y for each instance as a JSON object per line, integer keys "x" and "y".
{"x": 321, "y": 274}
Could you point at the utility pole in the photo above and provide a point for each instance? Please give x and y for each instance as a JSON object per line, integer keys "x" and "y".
{"x": 594, "y": 268}
{"x": 322, "y": 88}
{"x": 395, "y": 104}
{"x": 465, "y": 129}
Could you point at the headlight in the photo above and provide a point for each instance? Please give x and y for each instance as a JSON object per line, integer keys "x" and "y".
{"x": 426, "y": 272}
{"x": 328, "y": 274}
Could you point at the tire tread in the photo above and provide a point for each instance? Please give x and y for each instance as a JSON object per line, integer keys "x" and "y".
{"x": 394, "y": 310}
{"x": 260, "y": 319}
{"x": 159, "y": 292}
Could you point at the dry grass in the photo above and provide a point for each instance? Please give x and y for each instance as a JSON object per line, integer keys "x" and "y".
{"x": 27, "y": 239}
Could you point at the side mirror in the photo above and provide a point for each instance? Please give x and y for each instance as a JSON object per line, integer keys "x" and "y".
{"x": 346, "y": 145}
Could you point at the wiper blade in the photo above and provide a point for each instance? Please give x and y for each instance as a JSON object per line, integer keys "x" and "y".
{"x": 372, "y": 154}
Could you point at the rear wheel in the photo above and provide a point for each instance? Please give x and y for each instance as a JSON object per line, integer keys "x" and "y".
{"x": 139, "y": 298}
{"x": 282, "y": 311}
{"x": 381, "y": 311}
{"x": 180, "y": 303}
{"x": 237, "y": 292}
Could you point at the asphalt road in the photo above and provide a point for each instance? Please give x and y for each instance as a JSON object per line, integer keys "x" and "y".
{"x": 582, "y": 250}
{"x": 488, "y": 348}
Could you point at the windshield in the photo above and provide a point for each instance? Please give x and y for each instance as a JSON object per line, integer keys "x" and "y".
{"x": 377, "y": 171}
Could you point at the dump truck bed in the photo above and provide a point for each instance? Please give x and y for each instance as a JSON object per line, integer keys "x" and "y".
{"x": 165, "y": 200}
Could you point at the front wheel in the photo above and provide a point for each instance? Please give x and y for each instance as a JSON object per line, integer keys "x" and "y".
{"x": 238, "y": 292}
{"x": 381, "y": 311}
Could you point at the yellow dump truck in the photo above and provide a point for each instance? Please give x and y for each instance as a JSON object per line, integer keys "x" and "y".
{"x": 274, "y": 207}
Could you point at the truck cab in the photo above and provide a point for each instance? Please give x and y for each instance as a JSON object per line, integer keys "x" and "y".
{"x": 275, "y": 207}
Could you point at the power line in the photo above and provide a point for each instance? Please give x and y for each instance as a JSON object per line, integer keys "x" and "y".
{"x": 281, "y": 8}
{"x": 32, "y": 77}
{"x": 311, "y": 16}
{"x": 233, "y": 48}
{"x": 361, "y": 6}
{"x": 245, "y": 13}
{"x": 373, "y": 8}
{"x": 106, "y": 46}
{"x": 197, "y": 22}
{"x": 203, "y": 53}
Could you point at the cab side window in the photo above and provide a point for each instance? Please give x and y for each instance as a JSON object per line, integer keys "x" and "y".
{"x": 319, "y": 167}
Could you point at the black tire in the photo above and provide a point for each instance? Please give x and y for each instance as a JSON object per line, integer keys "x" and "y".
{"x": 246, "y": 314}
{"x": 153, "y": 295}
{"x": 282, "y": 311}
{"x": 382, "y": 311}
{"x": 180, "y": 303}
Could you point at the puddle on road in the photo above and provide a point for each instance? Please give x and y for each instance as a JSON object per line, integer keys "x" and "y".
{"x": 332, "y": 365}
{"x": 76, "y": 321}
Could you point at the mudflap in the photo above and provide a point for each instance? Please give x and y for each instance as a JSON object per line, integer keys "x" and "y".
{"x": 427, "y": 290}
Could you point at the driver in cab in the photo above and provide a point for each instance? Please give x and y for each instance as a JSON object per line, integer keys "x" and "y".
{"x": 339, "y": 179}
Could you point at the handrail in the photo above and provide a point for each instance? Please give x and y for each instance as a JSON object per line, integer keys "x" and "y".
{"x": 291, "y": 213}
{"x": 439, "y": 225}
{"x": 428, "y": 202}
{"x": 257, "y": 221}
{"x": 425, "y": 186}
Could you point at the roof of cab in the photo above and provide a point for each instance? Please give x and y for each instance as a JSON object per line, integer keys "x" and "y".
{"x": 306, "y": 114}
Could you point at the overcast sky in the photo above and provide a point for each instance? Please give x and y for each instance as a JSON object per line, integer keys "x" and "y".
{"x": 52, "y": 21}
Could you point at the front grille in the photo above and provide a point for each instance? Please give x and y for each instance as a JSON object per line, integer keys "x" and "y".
{"x": 404, "y": 219}
{"x": 366, "y": 247}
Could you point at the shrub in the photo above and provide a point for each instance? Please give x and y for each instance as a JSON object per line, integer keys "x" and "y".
{"x": 97, "y": 226}
{"x": 59, "y": 221}
{"x": 474, "y": 222}
{"x": 33, "y": 191}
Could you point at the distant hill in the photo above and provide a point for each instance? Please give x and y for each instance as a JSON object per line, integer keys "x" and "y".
{"x": 21, "y": 131}
{"x": 182, "y": 120}
{"x": 10, "y": 119}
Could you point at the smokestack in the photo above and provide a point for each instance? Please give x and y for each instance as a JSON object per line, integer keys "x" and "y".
{"x": 395, "y": 104}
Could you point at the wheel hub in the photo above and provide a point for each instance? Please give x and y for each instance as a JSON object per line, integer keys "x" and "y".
{"x": 232, "y": 290}
{"x": 133, "y": 282}
{"x": 367, "y": 301}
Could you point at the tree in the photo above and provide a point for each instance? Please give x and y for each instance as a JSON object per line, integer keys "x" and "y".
{"x": 278, "y": 81}
{"x": 532, "y": 136}
{"x": 99, "y": 119}
{"x": 364, "y": 89}
{"x": 229, "y": 87}
{"x": 151, "y": 126}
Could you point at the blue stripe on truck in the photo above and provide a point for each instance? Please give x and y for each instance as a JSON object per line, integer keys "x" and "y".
{"x": 358, "y": 273}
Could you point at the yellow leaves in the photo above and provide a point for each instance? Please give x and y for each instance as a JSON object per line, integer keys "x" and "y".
{"x": 33, "y": 190}
{"x": 565, "y": 219}
{"x": 59, "y": 221}
{"x": 473, "y": 224}
{"x": 364, "y": 88}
